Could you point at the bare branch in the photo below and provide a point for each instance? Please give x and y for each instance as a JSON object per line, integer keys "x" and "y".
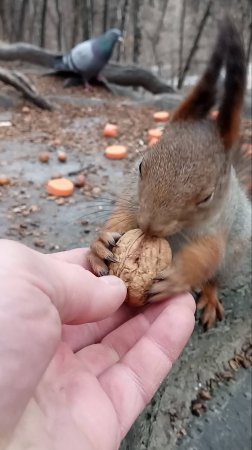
{"x": 20, "y": 82}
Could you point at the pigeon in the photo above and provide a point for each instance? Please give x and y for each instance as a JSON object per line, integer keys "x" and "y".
{"x": 88, "y": 58}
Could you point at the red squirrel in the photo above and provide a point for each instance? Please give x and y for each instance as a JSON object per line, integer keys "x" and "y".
{"x": 186, "y": 188}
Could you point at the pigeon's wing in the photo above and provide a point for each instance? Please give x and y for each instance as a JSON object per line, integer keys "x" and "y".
{"x": 80, "y": 58}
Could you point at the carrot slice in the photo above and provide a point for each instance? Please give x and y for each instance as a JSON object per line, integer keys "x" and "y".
{"x": 214, "y": 114}
{"x": 153, "y": 141}
{"x": 161, "y": 116}
{"x": 155, "y": 133}
{"x": 60, "y": 187}
{"x": 110, "y": 130}
{"x": 116, "y": 152}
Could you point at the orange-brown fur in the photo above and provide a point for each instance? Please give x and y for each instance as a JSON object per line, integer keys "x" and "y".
{"x": 187, "y": 189}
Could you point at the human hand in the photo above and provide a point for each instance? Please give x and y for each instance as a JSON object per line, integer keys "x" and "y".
{"x": 53, "y": 398}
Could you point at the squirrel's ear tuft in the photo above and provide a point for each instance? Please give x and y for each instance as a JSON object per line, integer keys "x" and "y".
{"x": 229, "y": 117}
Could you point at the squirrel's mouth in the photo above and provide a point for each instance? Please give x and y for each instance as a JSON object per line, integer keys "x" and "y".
{"x": 152, "y": 229}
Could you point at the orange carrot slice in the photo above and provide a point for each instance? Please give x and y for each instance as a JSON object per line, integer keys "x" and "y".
{"x": 116, "y": 152}
{"x": 155, "y": 133}
{"x": 214, "y": 114}
{"x": 110, "y": 130}
{"x": 60, "y": 187}
{"x": 153, "y": 141}
{"x": 161, "y": 116}
{"x": 4, "y": 180}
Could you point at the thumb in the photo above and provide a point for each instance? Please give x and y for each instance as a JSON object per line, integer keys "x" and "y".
{"x": 81, "y": 297}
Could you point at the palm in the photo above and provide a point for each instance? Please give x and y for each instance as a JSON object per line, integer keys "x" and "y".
{"x": 92, "y": 396}
{"x": 80, "y": 385}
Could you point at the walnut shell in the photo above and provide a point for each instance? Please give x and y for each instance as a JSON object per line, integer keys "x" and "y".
{"x": 140, "y": 258}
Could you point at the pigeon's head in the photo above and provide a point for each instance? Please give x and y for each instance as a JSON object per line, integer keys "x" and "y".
{"x": 114, "y": 35}
{"x": 103, "y": 45}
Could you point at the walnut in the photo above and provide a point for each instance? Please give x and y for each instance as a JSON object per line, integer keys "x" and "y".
{"x": 140, "y": 259}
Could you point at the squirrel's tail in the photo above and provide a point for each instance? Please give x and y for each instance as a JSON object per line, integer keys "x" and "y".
{"x": 228, "y": 53}
{"x": 242, "y": 165}
{"x": 235, "y": 84}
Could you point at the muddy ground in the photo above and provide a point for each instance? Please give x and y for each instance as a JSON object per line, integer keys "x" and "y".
{"x": 29, "y": 214}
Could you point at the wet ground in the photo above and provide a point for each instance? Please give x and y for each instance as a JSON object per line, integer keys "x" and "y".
{"x": 75, "y": 127}
{"x": 29, "y": 214}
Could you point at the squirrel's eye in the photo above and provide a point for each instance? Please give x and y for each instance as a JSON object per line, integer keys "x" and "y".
{"x": 206, "y": 200}
{"x": 140, "y": 169}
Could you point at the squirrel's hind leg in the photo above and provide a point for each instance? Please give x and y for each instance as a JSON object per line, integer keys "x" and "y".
{"x": 210, "y": 304}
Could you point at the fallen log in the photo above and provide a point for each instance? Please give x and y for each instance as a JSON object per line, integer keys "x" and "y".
{"x": 124, "y": 75}
{"x": 20, "y": 82}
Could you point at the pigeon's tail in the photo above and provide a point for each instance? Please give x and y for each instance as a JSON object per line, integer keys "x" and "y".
{"x": 59, "y": 63}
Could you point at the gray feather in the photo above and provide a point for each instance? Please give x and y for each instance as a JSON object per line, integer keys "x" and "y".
{"x": 88, "y": 58}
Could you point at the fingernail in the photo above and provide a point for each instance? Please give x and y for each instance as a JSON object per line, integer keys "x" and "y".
{"x": 112, "y": 280}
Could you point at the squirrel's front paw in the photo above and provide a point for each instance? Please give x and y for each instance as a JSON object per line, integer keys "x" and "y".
{"x": 210, "y": 306}
{"x": 100, "y": 252}
{"x": 168, "y": 283}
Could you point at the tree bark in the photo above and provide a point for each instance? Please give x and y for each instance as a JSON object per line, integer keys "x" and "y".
{"x": 23, "y": 10}
{"x": 75, "y": 26}
{"x": 128, "y": 75}
{"x": 43, "y": 23}
{"x": 248, "y": 54}
{"x": 105, "y": 15}
{"x": 181, "y": 38}
{"x": 124, "y": 11}
{"x": 59, "y": 24}
{"x": 135, "y": 76}
{"x": 137, "y": 30}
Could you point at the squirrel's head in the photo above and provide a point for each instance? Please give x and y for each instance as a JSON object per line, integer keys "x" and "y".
{"x": 184, "y": 177}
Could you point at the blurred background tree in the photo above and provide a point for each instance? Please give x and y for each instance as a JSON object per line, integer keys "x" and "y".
{"x": 173, "y": 37}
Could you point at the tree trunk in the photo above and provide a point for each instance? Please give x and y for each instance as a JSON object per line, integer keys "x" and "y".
{"x": 248, "y": 55}
{"x": 59, "y": 24}
{"x": 195, "y": 44}
{"x": 85, "y": 21}
{"x": 137, "y": 30}
{"x": 122, "y": 26}
{"x": 105, "y": 16}
{"x": 43, "y": 23}
{"x": 23, "y": 10}
{"x": 181, "y": 38}
{"x": 75, "y": 26}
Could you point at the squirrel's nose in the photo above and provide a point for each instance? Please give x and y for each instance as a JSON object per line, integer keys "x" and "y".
{"x": 147, "y": 227}
{"x": 144, "y": 225}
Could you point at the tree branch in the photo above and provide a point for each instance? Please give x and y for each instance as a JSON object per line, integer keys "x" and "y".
{"x": 129, "y": 75}
{"x": 20, "y": 82}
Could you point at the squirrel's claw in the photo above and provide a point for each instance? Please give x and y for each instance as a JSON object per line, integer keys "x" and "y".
{"x": 100, "y": 252}
{"x": 165, "y": 285}
{"x": 212, "y": 309}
